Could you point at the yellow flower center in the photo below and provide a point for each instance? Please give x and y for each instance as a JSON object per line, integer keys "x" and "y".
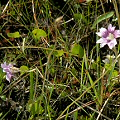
{"x": 110, "y": 36}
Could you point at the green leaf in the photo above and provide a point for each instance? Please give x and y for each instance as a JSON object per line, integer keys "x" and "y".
{"x": 38, "y": 108}
{"x": 93, "y": 65}
{"x": 23, "y": 69}
{"x": 102, "y": 17}
{"x": 118, "y": 47}
{"x": 12, "y": 13}
{"x": 2, "y": 74}
{"x": 3, "y": 97}
{"x": 37, "y": 33}
{"x": 108, "y": 66}
{"x": 59, "y": 53}
{"x": 115, "y": 73}
{"x": 52, "y": 70}
{"x": 29, "y": 106}
{"x": 1, "y": 87}
{"x": 13, "y": 35}
{"x": 77, "y": 50}
{"x": 88, "y": 1}
{"x": 80, "y": 16}
{"x": 1, "y": 114}
{"x": 75, "y": 115}
{"x": 74, "y": 71}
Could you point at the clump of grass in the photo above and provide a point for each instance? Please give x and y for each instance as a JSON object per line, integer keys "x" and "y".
{"x": 62, "y": 73}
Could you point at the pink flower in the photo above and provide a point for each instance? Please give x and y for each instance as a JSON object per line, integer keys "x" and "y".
{"x": 7, "y": 69}
{"x": 108, "y": 36}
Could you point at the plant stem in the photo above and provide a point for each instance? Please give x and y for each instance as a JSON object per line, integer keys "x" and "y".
{"x": 118, "y": 16}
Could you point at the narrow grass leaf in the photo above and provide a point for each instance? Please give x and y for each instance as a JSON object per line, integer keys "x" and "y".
{"x": 31, "y": 85}
{"x": 95, "y": 92}
{"x": 75, "y": 115}
{"x": 102, "y": 17}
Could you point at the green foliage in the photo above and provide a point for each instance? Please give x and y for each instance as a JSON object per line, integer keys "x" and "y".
{"x": 80, "y": 17}
{"x": 102, "y": 17}
{"x": 35, "y": 108}
{"x": 77, "y": 50}
{"x": 14, "y": 35}
{"x": 38, "y": 33}
{"x": 23, "y": 69}
{"x": 1, "y": 80}
{"x": 61, "y": 70}
{"x": 59, "y": 53}
{"x": 75, "y": 115}
{"x": 31, "y": 86}
{"x": 114, "y": 74}
{"x": 3, "y": 97}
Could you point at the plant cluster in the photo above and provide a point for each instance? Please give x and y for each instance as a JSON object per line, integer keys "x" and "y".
{"x": 59, "y": 60}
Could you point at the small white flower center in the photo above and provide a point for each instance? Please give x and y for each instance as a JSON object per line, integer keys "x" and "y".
{"x": 110, "y": 36}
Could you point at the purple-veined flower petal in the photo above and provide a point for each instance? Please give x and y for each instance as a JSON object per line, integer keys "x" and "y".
{"x": 103, "y": 32}
{"x": 112, "y": 43}
{"x": 108, "y": 36}
{"x": 9, "y": 76}
{"x": 102, "y": 42}
{"x": 117, "y": 33}
{"x": 7, "y": 69}
{"x": 111, "y": 29}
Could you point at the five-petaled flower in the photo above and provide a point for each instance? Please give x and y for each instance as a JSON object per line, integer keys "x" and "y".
{"x": 8, "y": 70}
{"x": 108, "y": 36}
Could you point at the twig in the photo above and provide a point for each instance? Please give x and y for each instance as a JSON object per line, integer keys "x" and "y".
{"x": 83, "y": 106}
{"x": 6, "y": 7}
{"x": 34, "y": 14}
{"x": 104, "y": 105}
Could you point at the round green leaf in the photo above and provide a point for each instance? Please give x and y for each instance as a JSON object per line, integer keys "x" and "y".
{"x": 77, "y": 50}
{"x": 37, "y": 33}
{"x": 3, "y": 97}
{"x": 23, "y": 69}
{"x": 59, "y": 53}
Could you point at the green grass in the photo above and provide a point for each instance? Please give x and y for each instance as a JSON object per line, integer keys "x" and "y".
{"x": 61, "y": 70}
